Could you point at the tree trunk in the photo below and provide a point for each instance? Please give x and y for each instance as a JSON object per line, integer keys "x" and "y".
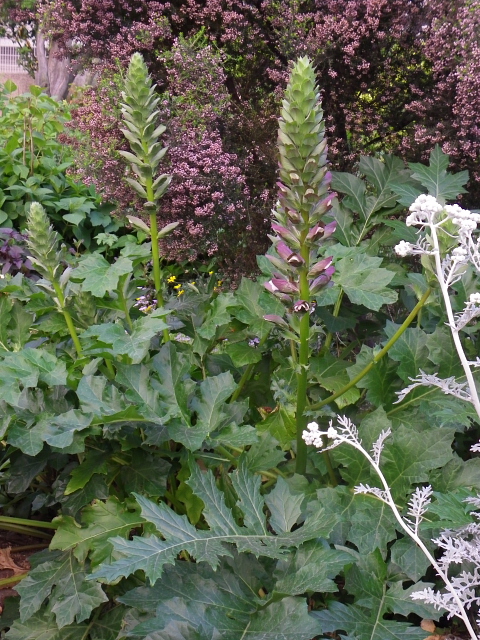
{"x": 41, "y": 77}
{"x": 53, "y": 73}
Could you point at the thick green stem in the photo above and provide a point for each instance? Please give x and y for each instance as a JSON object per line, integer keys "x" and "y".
{"x": 330, "y": 469}
{"x": 68, "y": 317}
{"x": 157, "y": 273}
{"x": 29, "y": 547}
{"x": 302, "y": 374}
{"x": 26, "y": 531}
{"x": 39, "y": 524}
{"x": 293, "y": 351}
{"x": 412, "y": 315}
{"x": 110, "y": 368}
{"x": 5, "y": 582}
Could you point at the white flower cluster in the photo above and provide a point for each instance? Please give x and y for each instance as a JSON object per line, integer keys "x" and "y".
{"x": 423, "y": 210}
{"x": 403, "y": 248}
{"x": 466, "y": 220}
{"x": 313, "y": 435}
{"x": 459, "y": 253}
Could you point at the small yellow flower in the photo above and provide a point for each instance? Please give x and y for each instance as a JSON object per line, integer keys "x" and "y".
{"x": 219, "y": 282}
{"x": 192, "y": 283}
{"x": 172, "y": 279}
{"x": 210, "y": 273}
{"x": 177, "y": 286}
{"x": 180, "y": 292}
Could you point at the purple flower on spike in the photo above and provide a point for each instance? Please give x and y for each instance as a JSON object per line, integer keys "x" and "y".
{"x": 302, "y": 306}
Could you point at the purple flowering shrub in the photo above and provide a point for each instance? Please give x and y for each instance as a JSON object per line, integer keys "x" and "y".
{"x": 13, "y": 253}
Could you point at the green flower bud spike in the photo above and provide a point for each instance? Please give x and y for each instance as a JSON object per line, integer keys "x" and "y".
{"x": 140, "y": 114}
{"x": 48, "y": 257}
{"x": 303, "y": 200}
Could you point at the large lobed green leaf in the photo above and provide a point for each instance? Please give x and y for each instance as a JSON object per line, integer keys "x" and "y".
{"x": 98, "y": 275}
{"x": 194, "y": 602}
{"x": 152, "y": 553}
{"x": 63, "y": 579}
{"x": 362, "y": 278}
{"x": 101, "y": 521}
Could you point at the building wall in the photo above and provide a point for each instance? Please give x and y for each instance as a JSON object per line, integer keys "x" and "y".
{"x": 9, "y": 68}
{"x": 22, "y": 80}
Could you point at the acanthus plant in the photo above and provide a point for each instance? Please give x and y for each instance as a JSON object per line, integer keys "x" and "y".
{"x": 162, "y": 473}
{"x": 140, "y": 115}
{"x": 304, "y": 199}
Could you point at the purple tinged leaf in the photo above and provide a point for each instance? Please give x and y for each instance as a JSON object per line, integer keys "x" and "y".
{"x": 284, "y": 286}
{"x": 329, "y": 229}
{"x": 293, "y": 215}
{"x": 269, "y": 286}
{"x": 287, "y": 235}
{"x": 321, "y": 231}
{"x": 322, "y": 280}
{"x": 284, "y": 251}
{"x": 279, "y": 264}
{"x": 320, "y": 266}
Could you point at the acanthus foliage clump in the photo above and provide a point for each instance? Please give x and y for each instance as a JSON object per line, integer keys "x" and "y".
{"x": 159, "y": 452}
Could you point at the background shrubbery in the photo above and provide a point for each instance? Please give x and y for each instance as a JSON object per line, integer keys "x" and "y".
{"x": 395, "y": 78}
{"x": 152, "y": 426}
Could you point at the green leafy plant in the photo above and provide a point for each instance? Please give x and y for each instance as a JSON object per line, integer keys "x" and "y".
{"x": 155, "y": 448}
{"x": 34, "y": 168}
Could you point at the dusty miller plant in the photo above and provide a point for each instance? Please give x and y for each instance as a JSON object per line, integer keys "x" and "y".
{"x": 447, "y": 245}
{"x": 460, "y": 547}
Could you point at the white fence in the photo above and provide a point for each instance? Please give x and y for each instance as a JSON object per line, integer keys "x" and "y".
{"x": 9, "y": 57}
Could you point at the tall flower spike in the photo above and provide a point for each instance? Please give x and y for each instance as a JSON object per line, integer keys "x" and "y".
{"x": 303, "y": 196}
{"x": 140, "y": 114}
{"x": 140, "y": 117}
{"x": 48, "y": 258}
{"x": 303, "y": 199}
{"x": 44, "y": 244}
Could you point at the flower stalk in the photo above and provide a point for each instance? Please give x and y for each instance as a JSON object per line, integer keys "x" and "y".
{"x": 383, "y": 352}
{"x": 303, "y": 200}
{"x": 48, "y": 259}
{"x": 140, "y": 114}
